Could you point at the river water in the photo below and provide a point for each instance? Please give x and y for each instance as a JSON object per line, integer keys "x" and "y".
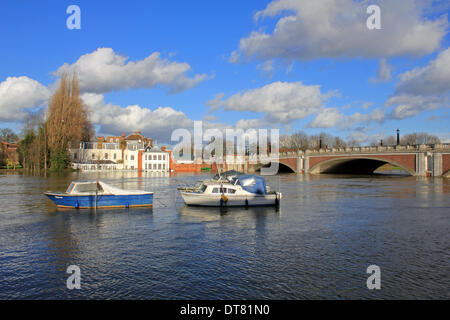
{"x": 317, "y": 245}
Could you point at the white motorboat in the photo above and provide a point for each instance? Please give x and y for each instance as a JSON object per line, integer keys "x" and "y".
{"x": 240, "y": 190}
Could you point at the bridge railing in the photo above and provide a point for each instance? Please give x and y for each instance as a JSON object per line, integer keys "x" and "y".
{"x": 369, "y": 149}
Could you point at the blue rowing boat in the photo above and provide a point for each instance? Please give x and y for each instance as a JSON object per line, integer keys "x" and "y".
{"x": 97, "y": 194}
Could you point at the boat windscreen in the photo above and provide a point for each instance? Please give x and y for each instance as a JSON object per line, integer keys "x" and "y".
{"x": 70, "y": 188}
{"x": 228, "y": 175}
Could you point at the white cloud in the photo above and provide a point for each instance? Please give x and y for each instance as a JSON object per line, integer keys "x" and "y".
{"x": 337, "y": 29}
{"x": 158, "y": 123}
{"x": 411, "y": 105}
{"x": 280, "y": 102}
{"x": 432, "y": 79}
{"x": 210, "y": 117}
{"x": 258, "y": 123}
{"x": 113, "y": 119}
{"x": 266, "y": 67}
{"x": 19, "y": 95}
{"x": 423, "y": 88}
{"x": 104, "y": 71}
{"x": 328, "y": 118}
{"x": 383, "y": 73}
{"x": 331, "y": 117}
{"x": 364, "y": 138}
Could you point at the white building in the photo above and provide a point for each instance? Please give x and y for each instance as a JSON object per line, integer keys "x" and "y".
{"x": 155, "y": 160}
{"x": 131, "y": 159}
{"x": 134, "y": 152}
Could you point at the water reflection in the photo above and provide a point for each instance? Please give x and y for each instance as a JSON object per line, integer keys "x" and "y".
{"x": 208, "y": 214}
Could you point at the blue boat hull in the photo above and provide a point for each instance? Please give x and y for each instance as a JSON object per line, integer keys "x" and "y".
{"x": 102, "y": 201}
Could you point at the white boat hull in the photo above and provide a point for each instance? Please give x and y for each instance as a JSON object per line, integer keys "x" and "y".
{"x": 216, "y": 200}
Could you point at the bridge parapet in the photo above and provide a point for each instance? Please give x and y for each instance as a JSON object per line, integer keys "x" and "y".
{"x": 368, "y": 149}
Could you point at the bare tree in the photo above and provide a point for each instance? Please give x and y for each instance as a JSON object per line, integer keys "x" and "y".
{"x": 67, "y": 121}
{"x": 419, "y": 138}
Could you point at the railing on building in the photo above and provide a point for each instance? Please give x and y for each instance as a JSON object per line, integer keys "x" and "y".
{"x": 102, "y": 146}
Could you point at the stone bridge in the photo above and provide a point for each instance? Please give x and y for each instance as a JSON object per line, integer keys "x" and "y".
{"x": 417, "y": 160}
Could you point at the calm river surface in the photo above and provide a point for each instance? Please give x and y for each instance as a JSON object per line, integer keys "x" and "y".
{"x": 317, "y": 245}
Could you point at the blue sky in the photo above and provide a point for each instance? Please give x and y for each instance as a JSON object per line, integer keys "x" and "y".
{"x": 267, "y": 62}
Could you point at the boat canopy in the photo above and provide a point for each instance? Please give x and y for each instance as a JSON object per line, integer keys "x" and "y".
{"x": 253, "y": 183}
{"x": 78, "y": 187}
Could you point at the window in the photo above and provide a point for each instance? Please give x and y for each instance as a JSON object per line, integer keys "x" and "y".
{"x": 132, "y": 158}
{"x": 164, "y": 166}
{"x": 115, "y": 156}
{"x": 106, "y": 156}
{"x": 203, "y": 188}
{"x": 164, "y": 157}
{"x": 93, "y": 156}
{"x": 154, "y": 157}
{"x": 231, "y": 191}
{"x": 154, "y": 166}
{"x": 159, "y": 157}
{"x": 69, "y": 190}
{"x": 159, "y": 166}
{"x": 215, "y": 190}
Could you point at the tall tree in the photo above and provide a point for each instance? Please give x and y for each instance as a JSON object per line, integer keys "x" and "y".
{"x": 67, "y": 121}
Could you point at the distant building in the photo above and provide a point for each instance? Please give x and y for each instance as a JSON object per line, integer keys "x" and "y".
{"x": 132, "y": 152}
{"x": 9, "y": 151}
{"x": 156, "y": 159}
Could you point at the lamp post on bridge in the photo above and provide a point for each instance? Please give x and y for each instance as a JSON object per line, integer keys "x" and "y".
{"x": 398, "y": 137}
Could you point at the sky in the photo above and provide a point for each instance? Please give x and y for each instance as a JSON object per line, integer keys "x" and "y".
{"x": 155, "y": 66}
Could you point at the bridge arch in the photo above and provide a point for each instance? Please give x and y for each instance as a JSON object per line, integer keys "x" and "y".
{"x": 282, "y": 167}
{"x": 355, "y": 165}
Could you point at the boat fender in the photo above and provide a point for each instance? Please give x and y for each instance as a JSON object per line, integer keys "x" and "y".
{"x": 224, "y": 198}
{"x": 246, "y": 202}
{"x": 127, "y": 205}
{"x": 77, "y": 205}
{"x": 277, "y": 201}
{"x": 221, "y": 202}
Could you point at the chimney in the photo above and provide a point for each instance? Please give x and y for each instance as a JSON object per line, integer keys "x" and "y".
{"x": 163, "y": 148}
{"x": 398, "y": 137}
